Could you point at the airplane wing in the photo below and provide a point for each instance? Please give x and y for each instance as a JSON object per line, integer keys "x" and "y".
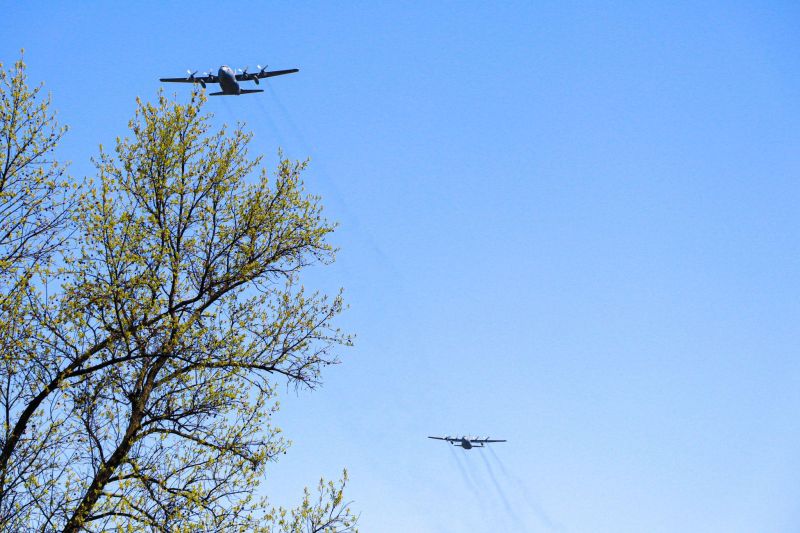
{"x": 191, "y": 79}
{"x": 265, "y": 74}
{"x": 448, "y": 439}
{"x": 487, "y": 440}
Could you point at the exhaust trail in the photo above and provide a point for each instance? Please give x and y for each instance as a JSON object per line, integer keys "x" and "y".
{"x": 468, "y": 481}
{"x": 464, "y": 456}
{"x": 337, "y": 195}
{"x": 228, "y": 111}
{"x": 509, "y": 510}
{"x": 271, "y": 123}
{"x": 288, "y": 118}
{"x": 534, "y": 506}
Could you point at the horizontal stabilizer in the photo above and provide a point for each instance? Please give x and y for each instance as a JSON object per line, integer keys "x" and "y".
{"x": 243, "y": 91}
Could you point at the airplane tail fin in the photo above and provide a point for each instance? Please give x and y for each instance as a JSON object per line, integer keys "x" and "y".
{"x": 216, "y": 94}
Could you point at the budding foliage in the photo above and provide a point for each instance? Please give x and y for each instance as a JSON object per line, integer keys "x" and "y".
{"x": 159, "y": 335}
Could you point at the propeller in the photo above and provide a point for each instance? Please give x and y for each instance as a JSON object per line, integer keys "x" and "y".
{"x": 261, "y": 71}
{"x": 244, "y": 72}
{"x": 191, "y": 77}
{"x": 247, "y": 76}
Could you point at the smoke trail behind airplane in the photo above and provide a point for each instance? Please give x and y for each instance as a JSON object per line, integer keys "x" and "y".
{"x": 509, "y": 509}
{"x": 271, "y": 123}
{"x": 534, "y": 506}
{"x": 287, "y": 117}
{"x": 467, "y": 480}
{"x": 337, "y": 195}
{"x": 471, "y": 484}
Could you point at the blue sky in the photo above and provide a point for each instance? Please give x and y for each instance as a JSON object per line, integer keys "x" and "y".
{"x": 571, "y": 225}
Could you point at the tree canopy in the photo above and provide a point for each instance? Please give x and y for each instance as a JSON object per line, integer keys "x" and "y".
{"x": 148, "y": 315}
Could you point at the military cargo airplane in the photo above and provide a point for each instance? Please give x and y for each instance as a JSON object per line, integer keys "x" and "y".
{"x": 467, "y": 442}
{"x": 228, "y": 80}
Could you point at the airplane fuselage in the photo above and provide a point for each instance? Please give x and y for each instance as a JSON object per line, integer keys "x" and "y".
{"x": 466, "y": 444}
{"x": 227, "y": 80}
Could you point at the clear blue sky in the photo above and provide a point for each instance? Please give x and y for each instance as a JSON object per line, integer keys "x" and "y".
{"x": 571, "y": 225}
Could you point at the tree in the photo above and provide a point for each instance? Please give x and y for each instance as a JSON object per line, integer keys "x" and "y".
{"x": 156, "y": 336}
{"x": 34, "y": 214}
